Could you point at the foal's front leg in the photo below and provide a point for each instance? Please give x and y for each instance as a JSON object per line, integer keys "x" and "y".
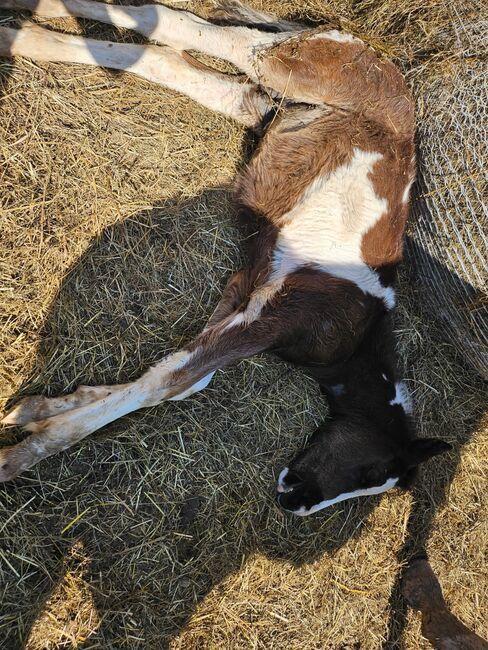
{"x": 162, "y": 65}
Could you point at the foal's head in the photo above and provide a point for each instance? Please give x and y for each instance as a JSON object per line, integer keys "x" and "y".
{"x": 348, "y": 457}
{"x": 368, "y": 445}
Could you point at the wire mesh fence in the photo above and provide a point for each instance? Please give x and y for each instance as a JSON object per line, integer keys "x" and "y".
{"x": 449, "y": 243}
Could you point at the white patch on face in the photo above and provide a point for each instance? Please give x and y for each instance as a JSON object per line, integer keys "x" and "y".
{"x": 281, "y": 485}
{"x": 338, "y": 37}
{"x": 379, "y": 489}
{"x": 325, "y": 229}
{"x": 384, "y": 377}
{"x": 402, "y": 397}
{"x": 199, "y": 385}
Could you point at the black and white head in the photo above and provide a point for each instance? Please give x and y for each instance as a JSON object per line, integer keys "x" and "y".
{"x": 351, "y": 457}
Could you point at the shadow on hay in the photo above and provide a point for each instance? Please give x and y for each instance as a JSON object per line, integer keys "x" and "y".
{"x": 106, "y": 292}
{"x": 425, "y": 503}
{"x": 129, "y": 321}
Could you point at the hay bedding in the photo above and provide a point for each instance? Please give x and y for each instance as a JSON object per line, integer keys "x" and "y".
{"x": 117, "y": 236}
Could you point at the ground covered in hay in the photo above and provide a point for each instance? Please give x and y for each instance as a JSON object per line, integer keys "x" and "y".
{"x": 161, "y": 530}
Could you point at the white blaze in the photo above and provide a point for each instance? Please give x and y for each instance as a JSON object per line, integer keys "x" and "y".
{"x": 379, "y": 489}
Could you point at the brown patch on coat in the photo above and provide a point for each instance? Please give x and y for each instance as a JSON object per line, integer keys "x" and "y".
{"x": 289, "y": 158}
{"x": 347, "y": 76}
{"x": 382, "y": 245}
{"x": 362, "y": 102}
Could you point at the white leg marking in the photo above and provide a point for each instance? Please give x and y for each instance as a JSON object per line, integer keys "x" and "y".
{"x": 37, "y": 407}
{"x": 335, "y": 35}
{"x": 183, "y": 31}
{"x": 200, "y": 385}
{"x": 390, "y": 483}
{"x": 161, "y": 65}
{"x": 326, "y": 227}
{"x": 402, "y": 397}
{"x": 180, "y": 29}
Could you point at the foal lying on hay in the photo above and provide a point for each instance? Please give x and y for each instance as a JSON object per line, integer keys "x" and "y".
{"x": 323, "y": 202}
{"x": 133, "y": 136}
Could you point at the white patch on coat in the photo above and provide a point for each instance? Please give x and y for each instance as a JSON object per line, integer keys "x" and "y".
{"x": 389, "y": 297}
{"x": 259, "y": 298}
{"x": 156, "y": 381}
{"x": 378, "y": 489}
{"x": 199, "y": 385}
{"x": 169, "y": 364}
{"x": 406, "y": 191}
{"x": 402, "y": 397}
{"x": 281, "y": 478}
{"x": 325, "y": 228}
{"x": 338, "y": 37}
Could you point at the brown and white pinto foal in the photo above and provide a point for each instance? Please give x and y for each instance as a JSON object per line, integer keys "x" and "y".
{"x": 323, "y": 203}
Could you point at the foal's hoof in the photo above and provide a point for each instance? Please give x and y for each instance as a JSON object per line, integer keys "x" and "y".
{"x": 13, "y": 461}
{"x": 29, "y": 409}
{"x": 8, "y": 467}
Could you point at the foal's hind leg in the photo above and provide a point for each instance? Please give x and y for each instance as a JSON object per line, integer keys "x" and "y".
{"x": 161, "y": 65}
{"x": 37, "y": 407}
{"x": 180, "y": 30}
{"x": 177, "y": 376}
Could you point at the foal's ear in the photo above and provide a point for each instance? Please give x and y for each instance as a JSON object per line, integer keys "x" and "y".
{"x": 422, "y": 449}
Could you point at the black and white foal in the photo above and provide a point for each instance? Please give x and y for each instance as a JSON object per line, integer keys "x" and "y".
{"x": 323, "y": 202}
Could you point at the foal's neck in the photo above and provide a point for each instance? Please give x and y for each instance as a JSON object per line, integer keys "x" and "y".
{"x": 367, "y": 384}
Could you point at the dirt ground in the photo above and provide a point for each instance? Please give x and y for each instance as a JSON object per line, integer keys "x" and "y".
{"x": 161, "y": 530}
